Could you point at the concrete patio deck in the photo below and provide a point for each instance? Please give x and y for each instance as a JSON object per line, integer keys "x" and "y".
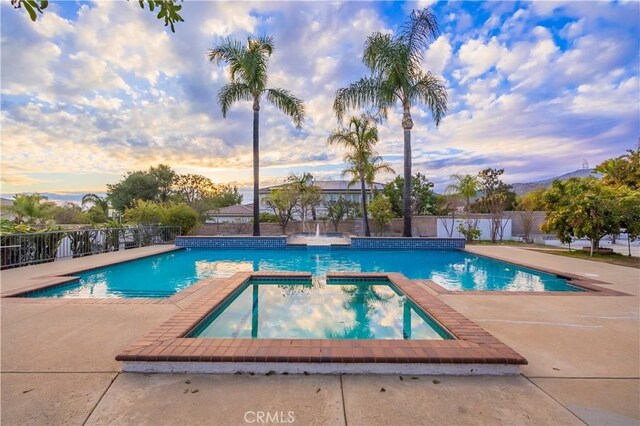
{"x": 58, "y": 363}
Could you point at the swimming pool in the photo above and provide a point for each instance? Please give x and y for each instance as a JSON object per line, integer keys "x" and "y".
{"x": 317, "y": 309}
{"x": 166, "y": 274}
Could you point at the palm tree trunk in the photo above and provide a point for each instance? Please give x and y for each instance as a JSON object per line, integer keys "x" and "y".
{"x": 407, "y": 124}
{"x": 365, "y": 218}
{"x": 256, "y": 171}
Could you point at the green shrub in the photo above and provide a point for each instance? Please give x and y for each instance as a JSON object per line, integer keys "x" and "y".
{"x": 381, "y": 212}
{"x": 470, "y": 232}
{"x": 180, "y": 215}
{"x": 144, "y": 213}
{"x": 266, "y": 217}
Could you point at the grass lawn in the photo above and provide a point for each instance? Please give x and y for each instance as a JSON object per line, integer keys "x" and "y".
{"x": 508, "y": 243}
{"x": 613, "y": 258}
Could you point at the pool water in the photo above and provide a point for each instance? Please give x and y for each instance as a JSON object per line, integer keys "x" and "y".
{"x": 166, "y": 274}
{"x": 319, "y": 310}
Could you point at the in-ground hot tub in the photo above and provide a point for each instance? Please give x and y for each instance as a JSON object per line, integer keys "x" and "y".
{"x": 353, "y": 323}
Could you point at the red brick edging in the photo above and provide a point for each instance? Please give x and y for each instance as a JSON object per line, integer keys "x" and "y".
{"x": 472, "y": 345}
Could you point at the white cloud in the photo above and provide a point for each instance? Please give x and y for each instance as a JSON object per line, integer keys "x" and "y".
{"x": 113, "y": 87}
{"x": 438, "y": 55}
{"x": 480, "y": 57}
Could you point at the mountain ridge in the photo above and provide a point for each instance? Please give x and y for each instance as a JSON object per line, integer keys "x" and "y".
{"x": 521, "y": 188}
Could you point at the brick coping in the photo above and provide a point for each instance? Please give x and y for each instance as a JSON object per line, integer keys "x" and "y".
{"x": 472, "y": 344}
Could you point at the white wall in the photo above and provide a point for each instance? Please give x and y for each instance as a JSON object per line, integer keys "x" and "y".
{"x": 484, "y": 225}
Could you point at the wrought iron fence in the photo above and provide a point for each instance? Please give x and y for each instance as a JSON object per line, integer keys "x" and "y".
{"x": 41, "y": 247}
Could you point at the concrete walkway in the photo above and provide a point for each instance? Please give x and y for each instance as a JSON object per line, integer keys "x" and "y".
{"x": 58, "y": 364}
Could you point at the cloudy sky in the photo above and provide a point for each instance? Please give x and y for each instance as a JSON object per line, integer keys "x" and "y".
{"x": 93, "y": 89}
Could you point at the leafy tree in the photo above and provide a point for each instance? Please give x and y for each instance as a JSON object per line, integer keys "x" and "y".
{"x": 192, "y": 188}
{"x": 283, "y": 201}
{"x": 583, "y": 208}
{"x": 526, "y": 206}
{"x": 69, "y": 213}
{"x": 203, "y": 195}
{"x": 630, "y": 213}
{"x": 31, "y": 209}
{"x": 248, "y": 74}
{"x": 446, "y": 205}
{"x": 395, "y": 63}
{"x": 309, "y": 195}
{"x": 226, "y": 195}
{"x": 359, "y": 138}
{"x": 135, "y": 186}
{"x": 154, "y": 184}
{"x": 168, "y": 9}
{"x": 422, "y": 198}
{"x": 338, "y": 210}
{"x": 381, "y": 213}
{"x": 622, "y": 171}
{"x": 466, "y": 186}
{"x": 496, "y": 198}
{"x": 164, "y": 176}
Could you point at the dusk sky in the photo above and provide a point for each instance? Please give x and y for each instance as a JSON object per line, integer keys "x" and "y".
{"x": 94, "y": 89}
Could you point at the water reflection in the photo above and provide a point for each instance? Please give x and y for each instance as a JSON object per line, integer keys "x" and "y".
{"x": 164, "y": 275}
{"x": 358, "y": 311}
{"x": 363, "y": 300}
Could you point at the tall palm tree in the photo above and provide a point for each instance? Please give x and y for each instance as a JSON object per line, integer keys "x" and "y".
{"x": 359, "y": 138}
{"x": 464, "y": 185}
{"x": 397, "y": 76}
{"x": 248, "y": 74}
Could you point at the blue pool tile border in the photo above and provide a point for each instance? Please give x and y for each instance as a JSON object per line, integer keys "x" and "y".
{"x": 358, "y": 243}
{"x": 232, "y": 242}
{"x": 431, "y": 244}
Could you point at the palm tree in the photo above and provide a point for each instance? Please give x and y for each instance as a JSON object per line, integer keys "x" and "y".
{"x": 359, "y": 138}
{"x": 96, "y": 202}
{"x": 397, "y": 75}
{"x": 248, "y": 75}
{"x": 30, "y": 209}
{"x": 375, "y": 166}
{"x": 464, "y": 185}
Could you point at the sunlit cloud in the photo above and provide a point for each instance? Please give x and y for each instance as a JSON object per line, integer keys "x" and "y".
{"x": 91, "y": 91}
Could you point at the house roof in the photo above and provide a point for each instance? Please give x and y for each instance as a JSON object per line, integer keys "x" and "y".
{"x": 331, "y": 186}
{"x": 236, "y": 210}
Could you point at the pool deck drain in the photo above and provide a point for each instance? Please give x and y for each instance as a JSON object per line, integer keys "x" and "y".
{"x": 473, "y": 351}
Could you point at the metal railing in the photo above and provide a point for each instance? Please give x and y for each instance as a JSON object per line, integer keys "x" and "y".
{"x": 41, "y": 247}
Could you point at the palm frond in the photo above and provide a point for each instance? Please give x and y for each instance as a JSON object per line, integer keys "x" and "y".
{"x": 343, "y": 137}
{"x": 379, "y": 49}
{"x": 366, "y": 91}
{"x": 431, "y": 90}
{"x": 418, "y": 31}
{"x": 264, "y": 43}
{"x": 230, "y": 52}
{"x": 232, "y": 92}
{"x": 286, "y": 102}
